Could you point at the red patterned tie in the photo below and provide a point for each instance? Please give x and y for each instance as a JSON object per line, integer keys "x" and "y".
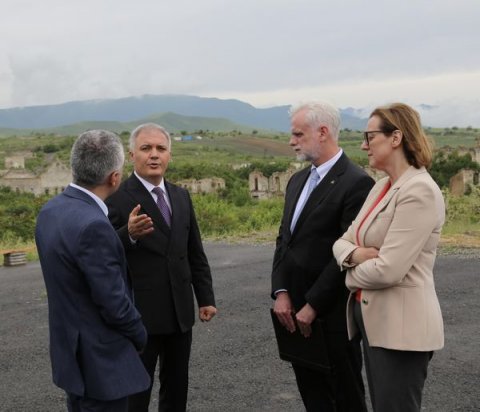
{"x": 162, "y": 205}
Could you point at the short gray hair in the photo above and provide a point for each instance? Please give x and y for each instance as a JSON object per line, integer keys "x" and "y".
{"x": 148, "y": 127}
{"x": 319, "y": 113}
{"x": 95, "y": 154}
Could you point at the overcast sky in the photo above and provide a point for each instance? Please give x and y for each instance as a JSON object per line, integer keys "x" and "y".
{"x": 264, "y": 52}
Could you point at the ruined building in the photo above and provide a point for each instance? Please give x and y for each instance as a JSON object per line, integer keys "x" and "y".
{"x": 463, "y": 182}
{"x": 262, "y": 187}
{"x": 52, "y": 180}
{"x": 207, "y": 185}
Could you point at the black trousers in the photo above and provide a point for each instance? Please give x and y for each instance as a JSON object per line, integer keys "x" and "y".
{"x": 339, "y": 391}
{"x": 395, "y": 377}
{"x": 81, "y": 404}
{"x": 173, "y": 353}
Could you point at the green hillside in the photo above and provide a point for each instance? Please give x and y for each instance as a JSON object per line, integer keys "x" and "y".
{"x": 211, "y": 147}
{"x": 231, "y": 212}
{"x": 173, "y": 122}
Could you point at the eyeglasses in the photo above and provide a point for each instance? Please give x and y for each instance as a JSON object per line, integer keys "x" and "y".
{"x": 367, "y": 137}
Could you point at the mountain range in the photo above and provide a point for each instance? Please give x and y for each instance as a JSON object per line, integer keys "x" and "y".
{"x": 175, "y": 112}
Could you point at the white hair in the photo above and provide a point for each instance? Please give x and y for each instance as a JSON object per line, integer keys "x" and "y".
{"x": 319, "y": 113}
{"x": 148, "y": 127}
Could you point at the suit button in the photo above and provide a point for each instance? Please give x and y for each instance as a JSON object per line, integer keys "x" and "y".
{"x": 365, "y": 301}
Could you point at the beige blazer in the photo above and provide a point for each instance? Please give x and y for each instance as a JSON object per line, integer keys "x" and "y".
{"x": 399, "y": 304}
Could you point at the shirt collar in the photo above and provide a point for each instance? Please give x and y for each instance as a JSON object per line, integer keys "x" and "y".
{"x": 99, "y": 201}
{"x": 324, "y": 168}
{"x": 148, "y": 185}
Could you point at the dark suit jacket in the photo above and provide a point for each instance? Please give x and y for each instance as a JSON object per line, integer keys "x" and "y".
{"x": 95, "y": 331}
{"x": 165, "y": 264}
{"x": 303, "y": 263}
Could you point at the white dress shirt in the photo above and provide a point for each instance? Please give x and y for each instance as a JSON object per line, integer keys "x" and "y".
{"x": 322, "y": 171}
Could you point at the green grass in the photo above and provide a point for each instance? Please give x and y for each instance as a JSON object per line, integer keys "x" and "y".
{"x": 232, "y": 215}
{"x": 224, "y": 147}
{"x": 461, "y": 227}
{"x": 454, "y": 137}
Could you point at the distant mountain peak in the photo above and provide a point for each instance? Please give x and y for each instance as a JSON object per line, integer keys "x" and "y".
{"x": 132, "y": 108}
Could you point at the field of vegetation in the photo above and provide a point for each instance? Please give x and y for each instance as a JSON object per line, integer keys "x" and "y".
{"x": 232, "y": 213}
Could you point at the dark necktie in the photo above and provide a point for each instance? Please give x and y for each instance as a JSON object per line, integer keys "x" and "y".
{"x": 162, "y": 205}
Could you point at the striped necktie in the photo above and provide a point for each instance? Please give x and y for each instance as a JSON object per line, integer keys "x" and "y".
{"x": 162, "y": 205}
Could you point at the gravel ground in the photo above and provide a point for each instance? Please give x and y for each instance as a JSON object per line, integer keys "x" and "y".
{"x": 234, "y": 365}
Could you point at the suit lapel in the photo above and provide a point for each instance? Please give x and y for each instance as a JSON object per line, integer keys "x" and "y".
{"x": 296, "y": 190}
{"x": 322, "y": 190}
{"x": 176, "y": 205}
{"x": 407, "y": 175}
{"x": 138, "y": 191}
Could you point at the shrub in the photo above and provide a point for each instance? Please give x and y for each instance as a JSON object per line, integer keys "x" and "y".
{"x": 18, "y": 213}
{"x": 444, "y": 167}
{"x": 218, "y": 216}
{"x": 463, "y": 209}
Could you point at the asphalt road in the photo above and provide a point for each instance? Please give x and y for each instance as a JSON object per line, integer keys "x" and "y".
{"x": 234, "y": 365}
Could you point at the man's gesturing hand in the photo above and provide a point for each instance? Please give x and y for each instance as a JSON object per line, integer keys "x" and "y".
{"x": 139, "y": 225}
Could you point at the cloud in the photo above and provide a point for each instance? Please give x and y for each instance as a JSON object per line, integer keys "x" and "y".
{"x": 452, "y": 113}
{"x": 270, "y": 51}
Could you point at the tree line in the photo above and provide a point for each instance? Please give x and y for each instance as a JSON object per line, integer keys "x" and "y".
{"x": 228, "y": 212}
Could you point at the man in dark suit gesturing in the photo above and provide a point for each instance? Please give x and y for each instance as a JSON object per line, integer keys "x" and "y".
{"x": 156, "y": 223}
{"x": 95, "y": 331}
{"x": 320, "y": 203}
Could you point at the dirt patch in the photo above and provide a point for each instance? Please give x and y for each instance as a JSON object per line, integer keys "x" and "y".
{"x": 469, "y": 240}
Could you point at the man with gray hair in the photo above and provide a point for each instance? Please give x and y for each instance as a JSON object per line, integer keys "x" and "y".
{"x": 95, "y": 330}
{"x": 167, "y": 264}
{"x": 320, "y": 203}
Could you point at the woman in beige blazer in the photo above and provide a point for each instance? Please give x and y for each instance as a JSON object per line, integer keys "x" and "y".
{"x": 389, "y": 253}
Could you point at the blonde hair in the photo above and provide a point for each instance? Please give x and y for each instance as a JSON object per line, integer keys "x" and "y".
{"x": 417, "y": 146}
